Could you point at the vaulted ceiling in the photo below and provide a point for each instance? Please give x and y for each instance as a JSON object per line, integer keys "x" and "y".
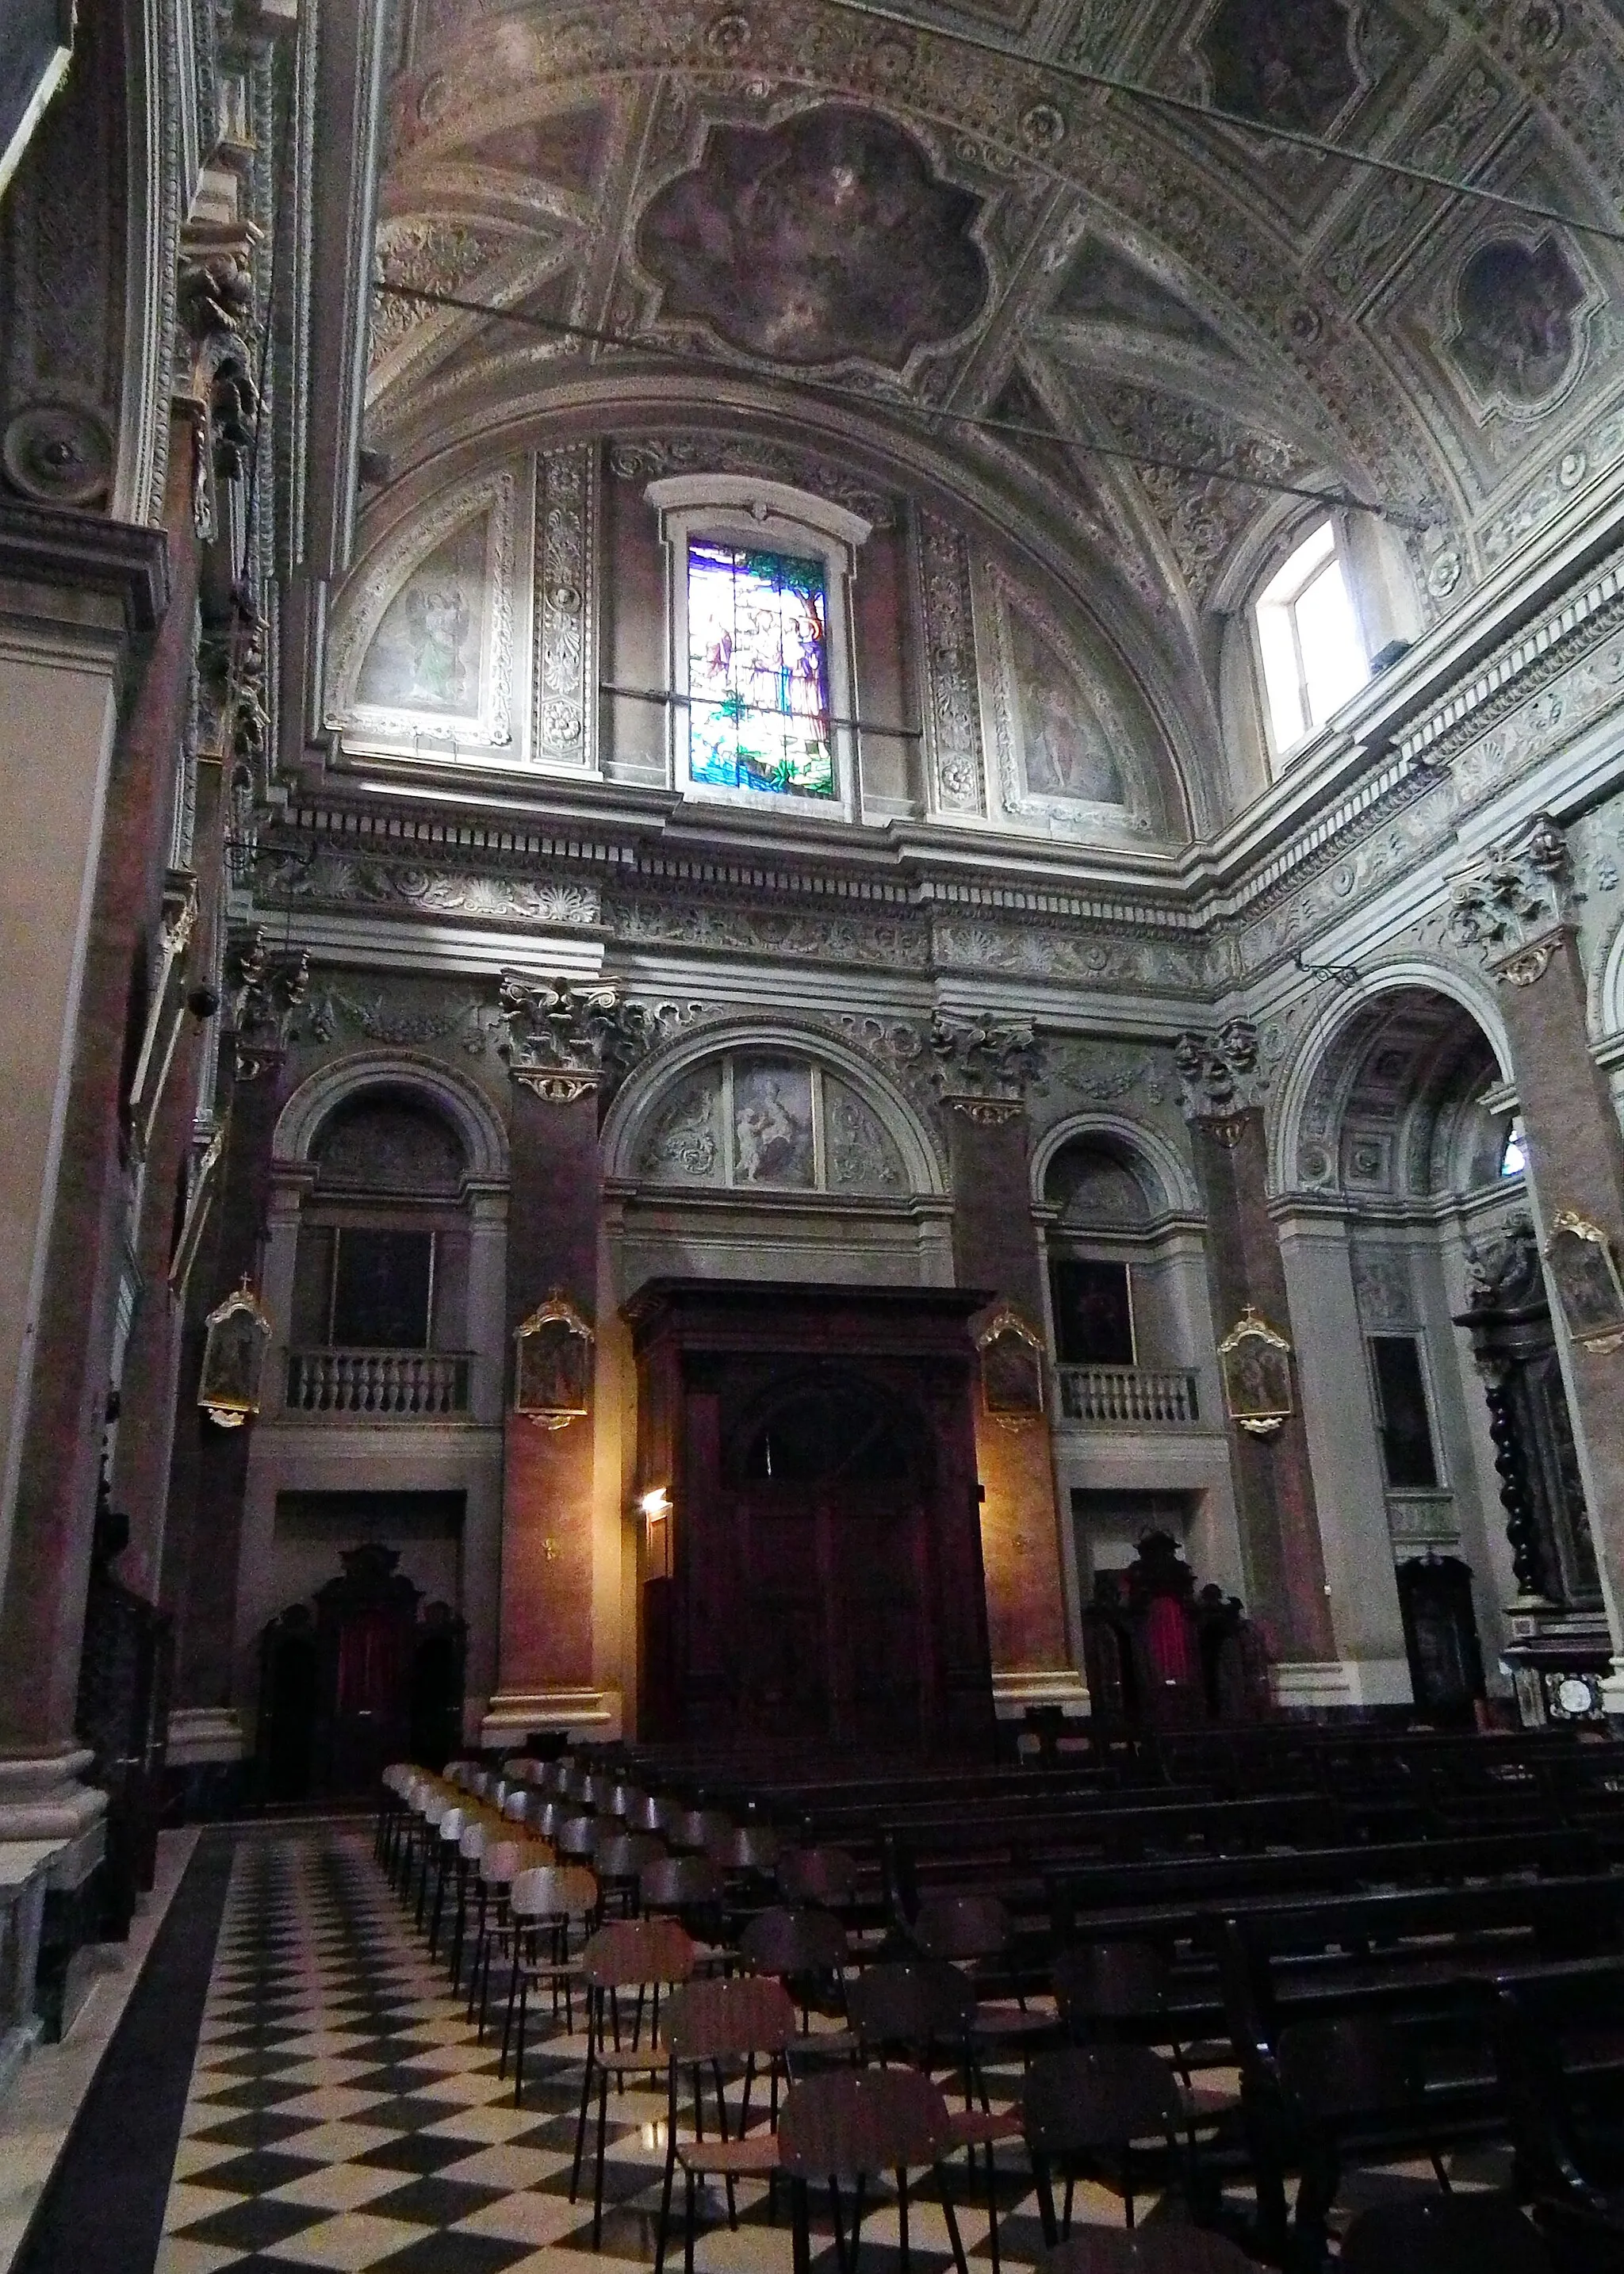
{"x": 813, "y": 213}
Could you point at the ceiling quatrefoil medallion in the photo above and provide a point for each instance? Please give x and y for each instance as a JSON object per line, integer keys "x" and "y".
{"x": 825, "y": 237}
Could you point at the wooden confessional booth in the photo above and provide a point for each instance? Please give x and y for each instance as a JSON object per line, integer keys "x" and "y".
{"x": 811, "y": 1540}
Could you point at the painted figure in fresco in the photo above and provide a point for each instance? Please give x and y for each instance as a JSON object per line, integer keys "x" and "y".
{"x": 1514, "y": 310}
{"x": 1065, "y": 755}
{"x": 1288, "y": 61}
{"x": 438, "y": 623}
{"x": 769, "y": 1141}
{"x": 825, "y": 237}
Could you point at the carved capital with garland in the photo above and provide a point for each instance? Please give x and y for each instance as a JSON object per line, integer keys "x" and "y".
{"x": 565, "y": 1042}
{"x": 268, "y": 990}
{"x": 1223, "y": 1079}
{"x": 1515, "y": 906}
{"x": 983, "y": 1066}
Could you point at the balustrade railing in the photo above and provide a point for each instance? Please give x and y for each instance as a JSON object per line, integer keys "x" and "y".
{"x": 1129, "y": 1396}
{"x": 384, "y": 1384}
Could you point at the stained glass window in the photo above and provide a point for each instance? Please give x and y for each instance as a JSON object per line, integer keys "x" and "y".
{"x": 758, "y": 672}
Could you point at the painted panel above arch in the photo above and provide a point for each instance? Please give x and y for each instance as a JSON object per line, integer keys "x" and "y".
{"x": 769, "y": 1110}
{"x": 422, "y": 649}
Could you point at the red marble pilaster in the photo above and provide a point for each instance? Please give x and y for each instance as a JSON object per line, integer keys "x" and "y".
{"x": 995, "y": 1248}
{"x": 546, "y": 1628}
{"x": 1281, "y": 1546}
{"x": 208, "y": 1468}
{"x": 1575, "y": 1162}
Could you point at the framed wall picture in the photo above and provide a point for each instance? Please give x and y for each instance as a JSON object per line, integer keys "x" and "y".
{"x": 552, "y": 1367}
{"x": 1011, "y": 1369}
{"x": 1586, "y": 1274}
{"x": 1256, "y": 1364}
{"x": 237, "y": 1335}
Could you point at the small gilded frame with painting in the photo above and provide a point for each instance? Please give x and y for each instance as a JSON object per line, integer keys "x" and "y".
{"x": 1256, "y": 1363}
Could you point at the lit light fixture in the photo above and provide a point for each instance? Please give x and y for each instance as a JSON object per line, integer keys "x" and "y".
{"x": 656, "y": 1507}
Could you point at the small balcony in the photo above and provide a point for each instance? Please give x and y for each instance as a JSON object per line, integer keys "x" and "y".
{"x": 1128, "y": 1396}
{"x": 380, "y": 1385}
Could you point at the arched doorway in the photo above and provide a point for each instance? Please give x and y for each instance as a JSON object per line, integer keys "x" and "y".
{"x": 1402, "y": 1124}
{"x": 828, "y": 1488}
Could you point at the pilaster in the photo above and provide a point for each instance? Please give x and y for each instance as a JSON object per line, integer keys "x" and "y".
{"x": 1279, "y": 1515}
{"x": 566, "y": 1048}
{"x": 1516, "y": 908}
{"x": 983, "y": 1068}
{"x": 80, "y": 600}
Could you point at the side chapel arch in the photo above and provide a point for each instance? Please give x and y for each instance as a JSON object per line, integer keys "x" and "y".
{"x": 1327, "y": 1041}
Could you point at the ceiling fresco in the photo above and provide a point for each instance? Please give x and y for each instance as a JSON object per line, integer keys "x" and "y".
{"x": 823, "y": 239}
{"x": 1011, "y": 277}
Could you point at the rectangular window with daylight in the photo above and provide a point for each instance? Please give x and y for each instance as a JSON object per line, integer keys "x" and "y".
{"x": 758, "y": 673}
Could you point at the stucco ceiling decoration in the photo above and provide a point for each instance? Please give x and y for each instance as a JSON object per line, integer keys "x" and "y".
{"x": 713, "y": 175}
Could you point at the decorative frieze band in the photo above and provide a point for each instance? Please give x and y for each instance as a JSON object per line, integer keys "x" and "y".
{"x": 566, "y": 725}
{"x": 952, "y": 705}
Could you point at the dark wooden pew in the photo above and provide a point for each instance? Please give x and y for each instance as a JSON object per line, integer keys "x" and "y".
{"x": 1171, "y": 1898}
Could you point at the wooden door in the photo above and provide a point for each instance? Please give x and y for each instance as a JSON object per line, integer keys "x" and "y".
{"x": 828, "y": 1520}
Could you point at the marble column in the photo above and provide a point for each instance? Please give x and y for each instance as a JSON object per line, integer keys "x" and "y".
{"x": 1516, "y": 909}
{"x": 982, "y": 1069}
{"x": 81, "y": 599}
{"x": 1280, "y": 1543}
{"x": 545, "y": 1647}
{"x": 209, "y": 1471}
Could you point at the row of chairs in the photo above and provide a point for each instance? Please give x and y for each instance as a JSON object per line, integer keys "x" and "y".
{"x": 1086, "y": 2110}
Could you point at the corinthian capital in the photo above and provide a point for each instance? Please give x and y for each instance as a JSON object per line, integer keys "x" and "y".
{"x": 1513, "y": 906}
{"x": 566, "y": 1042}
{"x": 984, "y": 1065}
{"x": 1222, "y": 1076}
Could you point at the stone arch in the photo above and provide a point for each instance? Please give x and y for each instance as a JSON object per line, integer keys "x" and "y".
{"x": 478, "y": 1125}
{"x": 1436, "y": 1010}
{"x": 1607, "y": 989}
{"x": 640, "y": 1099}
{"x": 1169, "y": 1186}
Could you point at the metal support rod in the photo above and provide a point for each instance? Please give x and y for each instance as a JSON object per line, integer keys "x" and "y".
{"x": 1211, "y": 115}
{"x": 758, "y": 710}
{"x": 927, "y": 414}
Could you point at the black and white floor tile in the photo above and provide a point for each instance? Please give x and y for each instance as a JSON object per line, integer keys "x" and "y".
{"x": 343, "y": 2116}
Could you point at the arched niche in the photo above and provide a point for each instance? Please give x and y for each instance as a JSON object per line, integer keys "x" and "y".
{"x": 1391, "y": 1099}
{"x": 343, "y": 1081}
{"x": 1121, "y": 1241}
{"x": 387, "y": 1165}
{"x": 761, "y": 1149}
{"x": 1389, "y": 1151}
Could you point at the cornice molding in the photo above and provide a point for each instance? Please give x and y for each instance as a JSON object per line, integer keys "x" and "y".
{"x": 72, "y": 550}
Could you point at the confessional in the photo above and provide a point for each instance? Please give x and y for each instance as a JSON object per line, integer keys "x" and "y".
{"x": 811, "y": 1579}
{"x": 364, "y": 1674}
{"x": 1161, "y": 1654}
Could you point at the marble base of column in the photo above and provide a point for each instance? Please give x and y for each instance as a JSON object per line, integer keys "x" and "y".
{"x": 597, "y": 1714}
{"x": 42, "y": 1798}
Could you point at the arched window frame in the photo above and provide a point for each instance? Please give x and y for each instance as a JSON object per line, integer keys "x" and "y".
{"x": 734, "y": 508}
{"x": 1284, "y": 749}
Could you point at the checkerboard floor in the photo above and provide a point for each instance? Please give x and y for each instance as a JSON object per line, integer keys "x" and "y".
{"x": 342, "y": 2115}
